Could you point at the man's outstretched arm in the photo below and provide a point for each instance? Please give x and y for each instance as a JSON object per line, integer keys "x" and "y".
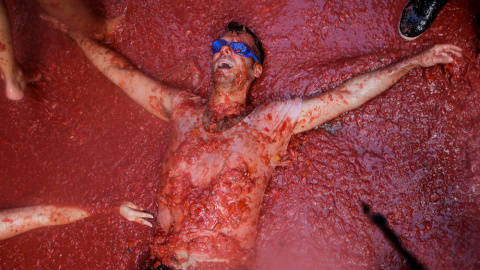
{"x": 152, "y": 95}
{"x": 360, "y": 89}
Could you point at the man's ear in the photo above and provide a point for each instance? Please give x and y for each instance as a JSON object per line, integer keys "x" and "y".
{"x": 257, "y": 70}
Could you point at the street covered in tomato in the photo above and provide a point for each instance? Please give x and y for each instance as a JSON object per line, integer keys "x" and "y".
{"x": 412, "y": 154}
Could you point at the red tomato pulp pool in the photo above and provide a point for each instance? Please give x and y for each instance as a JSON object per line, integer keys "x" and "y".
{"x": 412, "y": 154}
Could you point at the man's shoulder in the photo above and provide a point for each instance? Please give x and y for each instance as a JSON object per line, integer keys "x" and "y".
{"x": 187, "y": 94}
{"x": 279, "y": 106}
{"x": 276, "y": 112}
{"x": 188, "y": 97}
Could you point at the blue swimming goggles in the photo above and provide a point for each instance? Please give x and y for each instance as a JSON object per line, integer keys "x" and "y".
{"x": 239, "y": 48}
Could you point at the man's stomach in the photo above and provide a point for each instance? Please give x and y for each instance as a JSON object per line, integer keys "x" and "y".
{"x": 200, "y": 249}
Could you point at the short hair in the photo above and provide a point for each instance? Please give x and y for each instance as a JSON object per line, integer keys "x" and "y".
{"x": 258, "y": 47}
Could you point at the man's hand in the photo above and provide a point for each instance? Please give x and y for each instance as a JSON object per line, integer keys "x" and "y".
{"x": 134, "y": 213}
{"x": 438, "y": 54}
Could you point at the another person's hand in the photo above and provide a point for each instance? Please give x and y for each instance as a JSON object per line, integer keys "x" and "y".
{"x": 76, "y": 35}
{"x": 438, "y": 54}
{"x": 134, "y": 213}
{"x": 55, "y": 22}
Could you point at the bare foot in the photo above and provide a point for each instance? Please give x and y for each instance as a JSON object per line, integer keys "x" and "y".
{"x": 16, "y": 82}
{"x": 134, "y": 213}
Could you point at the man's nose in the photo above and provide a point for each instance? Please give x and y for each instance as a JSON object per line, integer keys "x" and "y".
{"x": 226, "y": 49}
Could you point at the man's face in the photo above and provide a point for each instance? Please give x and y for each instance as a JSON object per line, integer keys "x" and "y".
{"x": 229, "y": 67}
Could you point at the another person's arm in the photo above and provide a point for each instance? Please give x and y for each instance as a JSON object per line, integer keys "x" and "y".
{"x": 19, "y": 220}
{"x": 12, "y": 73}
{"x": 360, "y": 89}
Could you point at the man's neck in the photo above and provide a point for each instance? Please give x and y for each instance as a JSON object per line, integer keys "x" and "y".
{"x": 223, "y": 105}
{"x": 225, "y": 109}
{"x": 228, "y": 99}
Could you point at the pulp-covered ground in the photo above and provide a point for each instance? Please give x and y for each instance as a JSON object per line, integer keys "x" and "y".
{"x": 412, "y": 154}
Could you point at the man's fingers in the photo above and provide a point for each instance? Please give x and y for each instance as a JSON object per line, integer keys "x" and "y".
{"x": 452, "y": 52}
{"x": 456, "y": 53}
{"x": 448, "y": 59}
{"x": 442, "y": 58}
{"x": 143, "y": 221}
{"x": 132, "y": 212}
{"x": 454, "y": 48}
{"x": 447, "y": 56}
{"x": 448, "y": 48}
{"x": 138, "y": 214}
{"x": 132, "y": 205}
{"x": 144, "y": 215}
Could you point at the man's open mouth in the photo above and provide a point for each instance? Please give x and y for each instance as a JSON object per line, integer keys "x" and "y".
{"x": 224, "y": 65}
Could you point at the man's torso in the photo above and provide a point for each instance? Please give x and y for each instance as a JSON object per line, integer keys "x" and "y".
{"x": 213, "y": 183}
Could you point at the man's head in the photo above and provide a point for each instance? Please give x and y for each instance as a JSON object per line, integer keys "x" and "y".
{"x": 237, "y": 57}
{"x": 257, "y": 44}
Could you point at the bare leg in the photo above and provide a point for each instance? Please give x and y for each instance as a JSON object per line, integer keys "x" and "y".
{"x": 77, "y": 15}
{"x": 19, "y": 220}
{"x": 12, "y": 73}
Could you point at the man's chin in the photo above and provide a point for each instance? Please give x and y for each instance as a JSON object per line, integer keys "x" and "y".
{"x": 224, "y": 71}
{"x": 223, "y": 75}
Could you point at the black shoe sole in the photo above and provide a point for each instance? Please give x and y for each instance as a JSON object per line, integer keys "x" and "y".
{"x": 417, "y": 16}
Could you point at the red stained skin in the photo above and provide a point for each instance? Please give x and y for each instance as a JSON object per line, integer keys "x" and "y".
{"x": 213, "y": 183}
{"x": 412, "y": 153}
{"x": 7, "y": 220}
